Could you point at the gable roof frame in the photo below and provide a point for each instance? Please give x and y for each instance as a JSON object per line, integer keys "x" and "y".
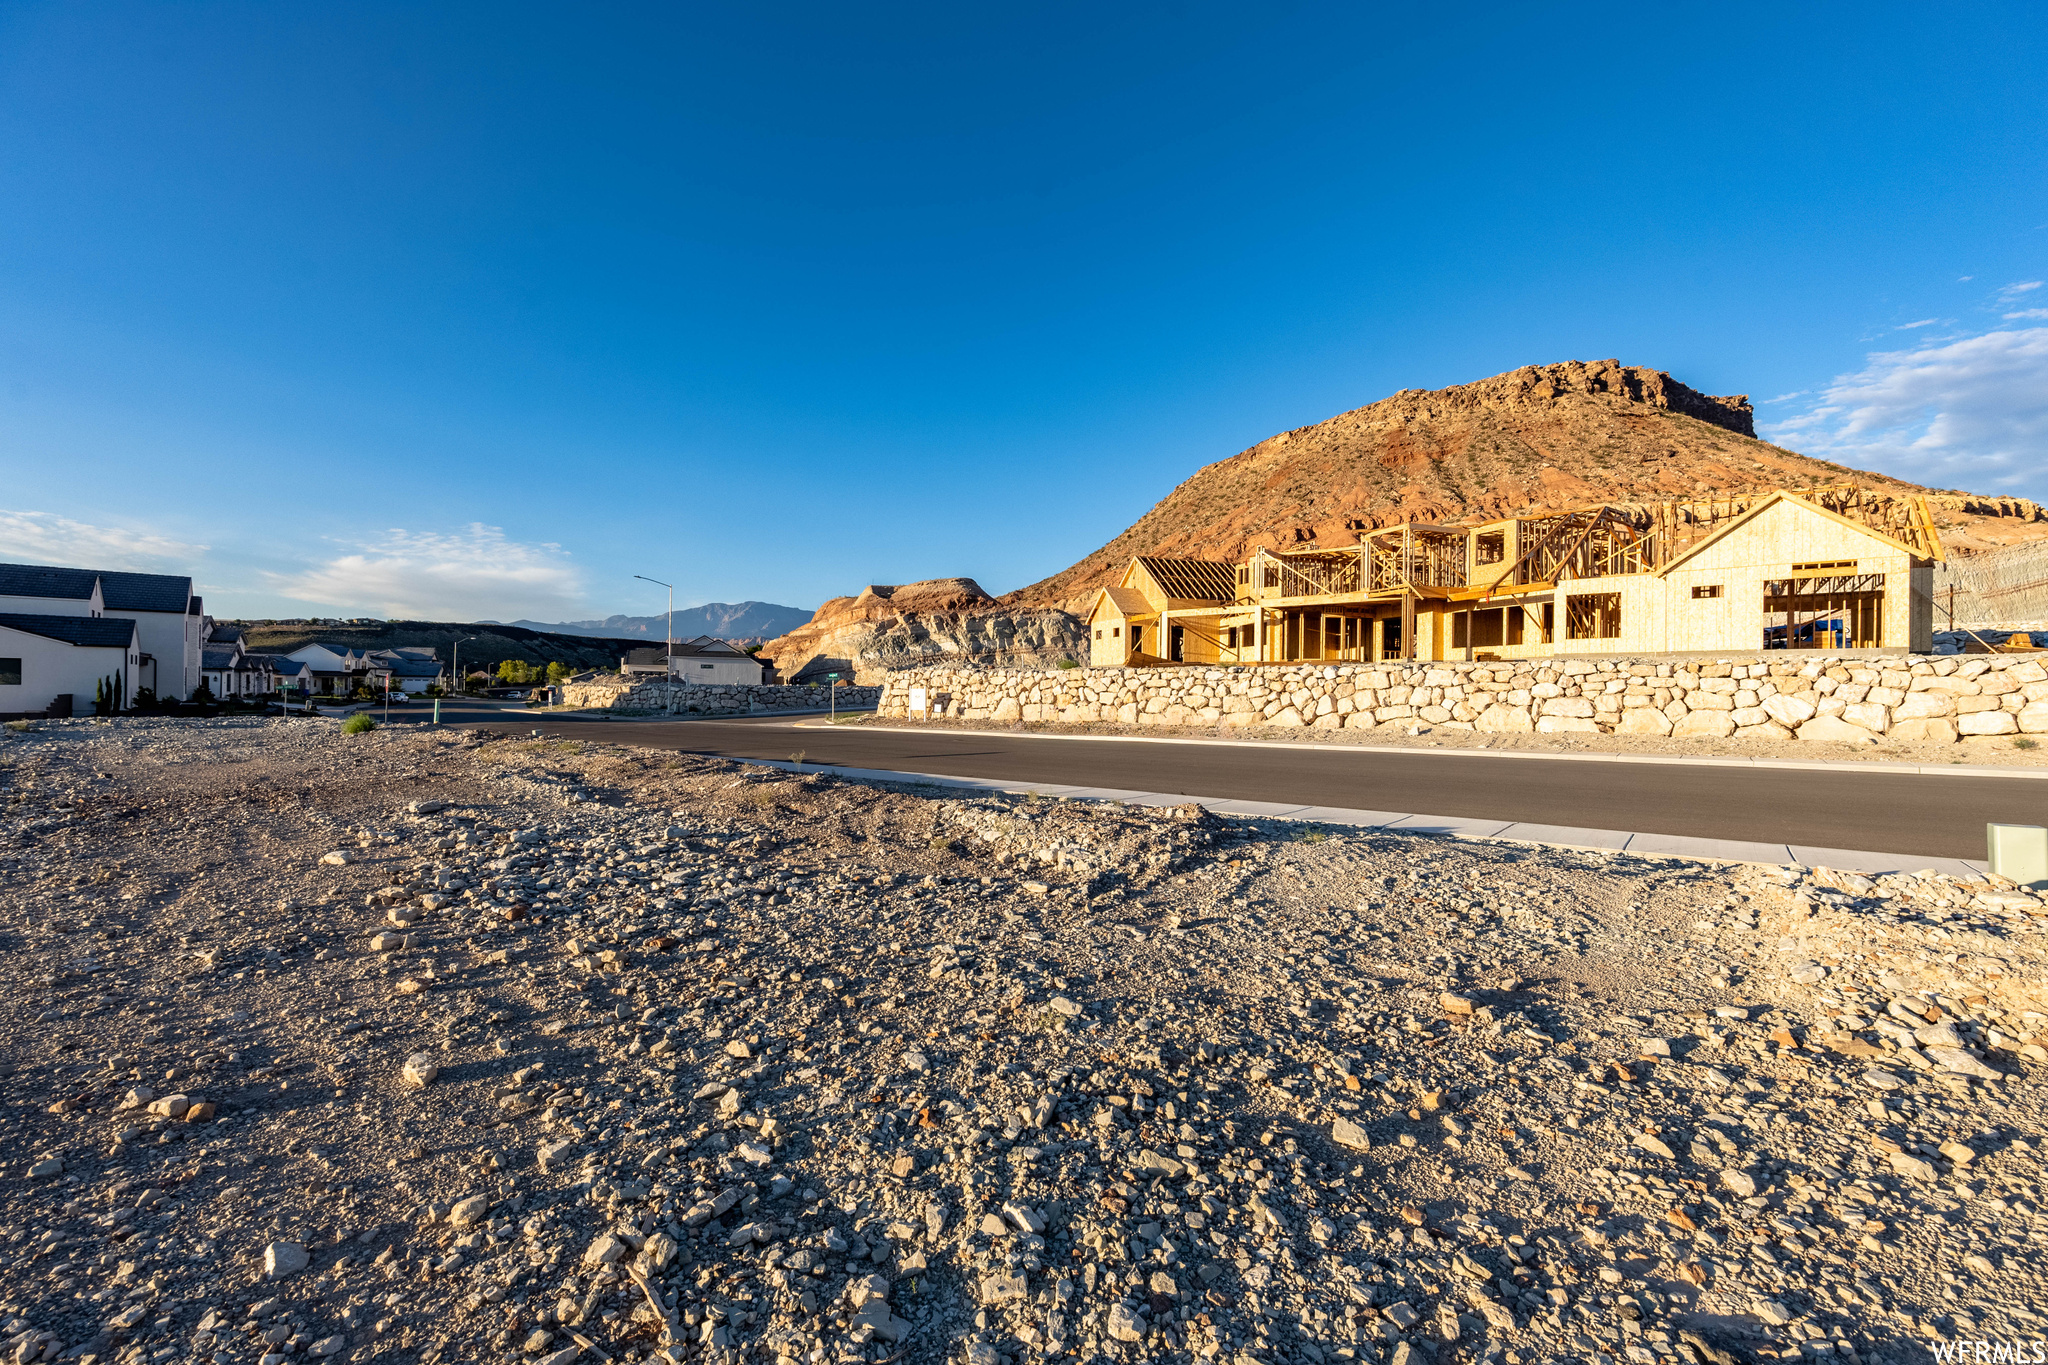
{"x": 1782, "y": 495}
{"x": 1189, "y": 580}
{"x": 1128, "y": 602}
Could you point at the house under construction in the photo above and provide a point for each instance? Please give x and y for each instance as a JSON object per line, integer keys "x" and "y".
{"x": 1821, "y": 568}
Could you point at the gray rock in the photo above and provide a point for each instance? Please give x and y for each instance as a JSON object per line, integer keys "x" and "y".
{"x": 1740, "y": 1182}
{"x": 471, "y": 1210}
{"x": 1345, "y": 1133}
{"x": 283, "y": 1259}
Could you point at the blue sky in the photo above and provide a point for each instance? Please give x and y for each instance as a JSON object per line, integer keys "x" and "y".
{"x": 480, "y": 310}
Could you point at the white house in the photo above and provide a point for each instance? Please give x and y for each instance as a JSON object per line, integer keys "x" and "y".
{"x": 167, "y": 616}
{"x": 55, "y": 664}
{"x": 708, "y": 659}
{"x": 333, "y": 668}
{"x": 169, "y": 622}
{"x": 410, "y": 670}
{"x": 228, "y": 667}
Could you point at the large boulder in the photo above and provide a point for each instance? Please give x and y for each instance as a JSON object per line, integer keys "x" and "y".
{"x": 1836, "y": 729}
{"x": 1929, "y": 730}
{"x": 1641, "y": 720}
{"x": 1707, "y": 724}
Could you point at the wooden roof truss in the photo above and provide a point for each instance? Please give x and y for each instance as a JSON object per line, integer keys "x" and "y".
{"x": 1192, "y": 580}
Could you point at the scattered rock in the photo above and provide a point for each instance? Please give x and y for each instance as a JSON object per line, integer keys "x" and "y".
{"x": 283, "y": 1259}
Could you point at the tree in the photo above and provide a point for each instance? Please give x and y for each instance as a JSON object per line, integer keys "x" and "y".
{"x": 558, "y": 673}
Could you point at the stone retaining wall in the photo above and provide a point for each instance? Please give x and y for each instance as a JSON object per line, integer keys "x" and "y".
{"x": 1775, "y": 696}
{"x": 656, "y": 694}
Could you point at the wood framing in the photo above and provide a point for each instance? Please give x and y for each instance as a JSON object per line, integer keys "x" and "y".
{"x": 1837, "y": 567}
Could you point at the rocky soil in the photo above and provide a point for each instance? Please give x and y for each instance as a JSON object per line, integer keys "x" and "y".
{"x": 439, "y": 1046}
{"x": 1541, "y": 438}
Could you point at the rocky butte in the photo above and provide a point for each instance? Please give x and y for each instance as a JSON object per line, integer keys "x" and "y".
{"x": 1540, "y": 438}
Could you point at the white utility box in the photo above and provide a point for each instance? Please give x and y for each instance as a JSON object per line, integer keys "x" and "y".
{"x": 2019, "y": 852}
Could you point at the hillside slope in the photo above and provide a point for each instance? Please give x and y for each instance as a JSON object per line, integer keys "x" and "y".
{"x": 493, "y": 642}
{"x": 1539, "y": 438}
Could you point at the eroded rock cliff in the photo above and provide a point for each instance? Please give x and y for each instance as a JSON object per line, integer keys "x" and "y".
{"x": 942, "y": 620}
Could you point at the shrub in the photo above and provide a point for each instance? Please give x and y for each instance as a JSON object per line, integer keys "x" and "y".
{"x": 358, "y": 724}
{"x": 1070, "y": 663}
{"x": 2024, "y": 743}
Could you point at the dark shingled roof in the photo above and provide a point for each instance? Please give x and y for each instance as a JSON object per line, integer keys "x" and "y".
{"x": 113, "y": 632}
{"x": 412, "y": 668}
{"x": 40, "y": 580}
{"x": 121, "y": 591}
{"x": 146, "y": 592}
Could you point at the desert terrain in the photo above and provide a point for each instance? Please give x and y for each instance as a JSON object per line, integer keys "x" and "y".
{"x": 435, "y": 1045}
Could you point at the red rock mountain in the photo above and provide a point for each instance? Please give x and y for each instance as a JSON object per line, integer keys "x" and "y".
{"x": 1543, "y": 437}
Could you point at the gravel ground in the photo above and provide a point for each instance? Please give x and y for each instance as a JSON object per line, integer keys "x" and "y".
{"x": 439, "y": 1046}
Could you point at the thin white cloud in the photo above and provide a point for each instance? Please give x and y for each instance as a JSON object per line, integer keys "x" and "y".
{"x": 441, "y": 576}
{"x": 1909, "y": 326}
{"x": 1786, "y": 397}
{"x": 47, "y": 538}
{"x": 2013, "y": 291}
{"x": 1969, "y": 413}
{"x": 2026, "y": 314}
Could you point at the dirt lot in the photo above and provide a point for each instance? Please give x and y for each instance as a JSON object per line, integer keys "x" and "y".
{"x": 437, "y": 1046}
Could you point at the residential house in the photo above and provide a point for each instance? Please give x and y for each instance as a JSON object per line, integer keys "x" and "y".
{"x": 709, "y": 660}
{"x": 1835, "y": 568}
{"x": 230, "y": 670}
{"x": 286, "y": 673}
{"x": 167, "y": 615}
{"x": 56, "y": 665}
{"x": 332, "y": 669}
{"x": 1124, "y": 624}
{"x": 409, "y": 670}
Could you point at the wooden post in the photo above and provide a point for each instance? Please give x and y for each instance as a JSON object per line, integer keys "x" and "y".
{"x": 1408, "y": 625}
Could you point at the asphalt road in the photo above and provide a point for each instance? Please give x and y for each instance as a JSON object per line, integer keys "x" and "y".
{"x": 1906, "y": 814}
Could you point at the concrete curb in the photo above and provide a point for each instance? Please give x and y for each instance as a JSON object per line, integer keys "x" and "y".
{"x": 1895, "y": 769}
{"x": 1456, "y": 827}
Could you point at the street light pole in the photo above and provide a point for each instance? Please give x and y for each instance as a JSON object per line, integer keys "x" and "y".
{"x": 668, "y": 646}
{"x": 459, "y": 689}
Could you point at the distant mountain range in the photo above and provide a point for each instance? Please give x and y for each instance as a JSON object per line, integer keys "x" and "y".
{"x": 726, "y": 620}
